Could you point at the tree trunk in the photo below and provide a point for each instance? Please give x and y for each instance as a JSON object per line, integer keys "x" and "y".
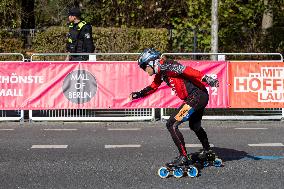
{"x": 27, "y": 14}
{"x": 267, "y": 19}
{"x": 214, "y": 29}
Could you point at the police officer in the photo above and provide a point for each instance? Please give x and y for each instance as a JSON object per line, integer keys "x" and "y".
{"x": 79, "y": 38}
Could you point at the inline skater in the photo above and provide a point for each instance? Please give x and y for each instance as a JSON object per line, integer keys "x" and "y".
{"x": 187, "y": 83}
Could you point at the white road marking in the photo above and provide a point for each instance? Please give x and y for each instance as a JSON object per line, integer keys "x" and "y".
{"x": 184, "y": 128}
{"x": 124, "y": 129}
{"x": 48, "y": 146}
{"x": 251, "y": 128}
{"x": 196, "y": 145}
{"x": 124, "y": 146}
{"x": 267, "y": 144}
{"x": 7, "y": 129}
{"x": 60, "y": 129}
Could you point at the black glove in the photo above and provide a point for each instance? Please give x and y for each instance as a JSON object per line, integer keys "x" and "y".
{"x": 142, "y": 93}
{"x": 136, "y": 95}
{"x": 210, "y": 81}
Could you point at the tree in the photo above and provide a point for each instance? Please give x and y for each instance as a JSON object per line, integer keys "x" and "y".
{"x": 9, "y": 13}
{"x": 54, "y": 12}
{"x": 27, "y": 14}
{"x": 241, "y": 22}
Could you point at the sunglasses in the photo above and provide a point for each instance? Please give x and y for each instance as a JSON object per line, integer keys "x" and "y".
{"x": 143, "y": 66}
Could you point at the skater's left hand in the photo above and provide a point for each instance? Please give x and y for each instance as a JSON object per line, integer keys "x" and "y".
{"x": 210, "y": 81}
{"x": 134, "y": 95}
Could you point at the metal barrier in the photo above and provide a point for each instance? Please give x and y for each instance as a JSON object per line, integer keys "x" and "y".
{"x": 10, "y": 55}
{"x": 234, "y": 114}
{"x": 138, "y": 114}
{"x": 12, "y": 115}
{"x": 93, "y": 115}
{"x": 92, "y": 56}
{"x": 230, "y": 54}
{"x": 142, "y": 113}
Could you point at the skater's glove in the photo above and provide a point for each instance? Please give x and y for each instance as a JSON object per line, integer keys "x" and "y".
{"x": 135, "y": 95}
{"x": 144, "y": 92}
{"x": 210, "y": 81}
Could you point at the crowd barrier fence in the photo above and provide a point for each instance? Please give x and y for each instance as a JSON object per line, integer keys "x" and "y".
{"x": 140, "y": 114}
{"x": 12, "y": 115}
{"x": 237, "y": 113}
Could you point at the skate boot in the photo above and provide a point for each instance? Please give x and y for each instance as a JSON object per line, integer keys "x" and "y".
{"x": 178, "y": 161}
{"x": 209, "y": 157}
{"x": 178, "y": 167}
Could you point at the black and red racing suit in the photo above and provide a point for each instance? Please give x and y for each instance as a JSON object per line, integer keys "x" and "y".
{"x": 183, "y": 80}
{"x": 186, "y": 83}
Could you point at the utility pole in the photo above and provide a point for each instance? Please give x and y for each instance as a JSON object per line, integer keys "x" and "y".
{"x": 214, "y": 28}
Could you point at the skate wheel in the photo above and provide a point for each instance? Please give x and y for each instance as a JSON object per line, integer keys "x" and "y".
{"x": 163, "y": 172}
{"x": 218, "y": 162}
{"x": 178, "y": 173}
{"x": 205, "y": 164}
{"x": 192, "y": 172}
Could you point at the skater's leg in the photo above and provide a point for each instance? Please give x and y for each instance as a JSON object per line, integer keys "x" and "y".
{"x": 195, "y": 125}
{"x": 181, "y": 114}
{"x": 202, "y": 136}
{"x": 172, "y": 126}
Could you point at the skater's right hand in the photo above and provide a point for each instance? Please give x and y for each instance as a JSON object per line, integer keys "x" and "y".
{"x": 210, "y": 81}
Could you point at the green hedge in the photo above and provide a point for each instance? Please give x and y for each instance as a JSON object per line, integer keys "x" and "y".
{"x": 106, "y": 40}
{"x": 10, "y": 44}
{"x": 115, "y": 40}
{"x": 52, "y": 40}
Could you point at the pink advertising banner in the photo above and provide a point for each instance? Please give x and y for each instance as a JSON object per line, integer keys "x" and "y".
{"x": 93, "y": 85}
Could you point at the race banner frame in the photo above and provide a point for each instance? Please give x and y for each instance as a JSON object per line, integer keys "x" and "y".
{"x": 256, "y": 84}
{"x": 94, "y": 85}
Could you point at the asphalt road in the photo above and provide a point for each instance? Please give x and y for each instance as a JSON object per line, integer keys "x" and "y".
{"x": 128, "y": 155}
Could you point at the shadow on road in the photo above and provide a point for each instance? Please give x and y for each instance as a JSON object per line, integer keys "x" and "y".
{"x": 227, "y": 154}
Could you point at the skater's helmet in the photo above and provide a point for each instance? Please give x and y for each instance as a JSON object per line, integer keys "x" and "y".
{"x": 148, "y": 57}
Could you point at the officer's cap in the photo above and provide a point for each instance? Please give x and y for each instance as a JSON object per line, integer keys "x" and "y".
{"x": 74, "y": 12}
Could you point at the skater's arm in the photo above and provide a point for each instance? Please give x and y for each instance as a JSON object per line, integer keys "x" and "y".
{"x": 191, "y": 73}
{"x": 147, "y": 90}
